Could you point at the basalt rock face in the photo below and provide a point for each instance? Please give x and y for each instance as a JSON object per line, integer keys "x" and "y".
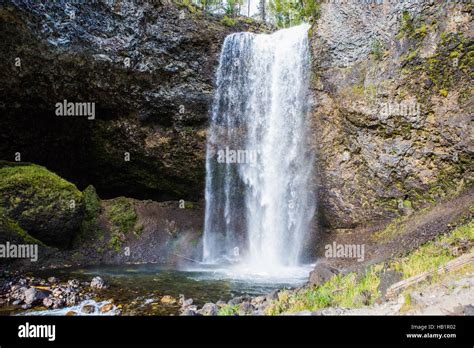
{"x": 149, "y": 68}
{"x": 392, "y": 109}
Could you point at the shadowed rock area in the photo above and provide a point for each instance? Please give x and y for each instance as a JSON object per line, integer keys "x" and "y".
{"x": 148, "y": 67}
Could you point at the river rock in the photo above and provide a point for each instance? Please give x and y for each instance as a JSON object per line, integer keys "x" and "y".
{"x": 88, "y": 309}
{"x": 106, "y": 308}
{"x": 48, "y": 302}
{"x": 33, "y": 296}
{"x": 188, "y": 312}
{"x": 221, "y": 303}
{"x": 168, "y": 300}
{"x": 209, "y": 309}
{"x": 98, "y": 283}
{"x": 71, "y": 299}
{"x": 258, "y": 300}
{"x": 18, "y": 293}
{"x": 58, "y": 303}
{"x": 53, "y": 280}
{"x": 245, "y": 308}
{"x": 74, "y": 284}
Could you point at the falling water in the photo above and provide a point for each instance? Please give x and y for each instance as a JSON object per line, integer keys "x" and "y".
{"x": 259, "y": 204}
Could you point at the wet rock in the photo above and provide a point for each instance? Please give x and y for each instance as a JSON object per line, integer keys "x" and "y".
{"x": 71, "y": 299}
{"x": 57, "y": 292}
{"x": 98, "y": 283}
{"x": 209, "y": 309}
{"x": 71, "y": 313}
{"x": 106, "y": 308}
{"x": 18, "y": 293}
{"x": 74, "y": 283}
{"x": 53, "y": 280}
{"x": 48, "y": 302}
{"x": 189, "y": 312}
{"x": 184, "y": 302}
{"x": 321, "y": 274}
{"x": 58, "y": 303}
{"x": 33, "y": 296}
{"x": 168, "y": 300}
{"x": 88, "y": 309}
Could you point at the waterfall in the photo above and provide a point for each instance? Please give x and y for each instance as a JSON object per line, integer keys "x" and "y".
{"x": 259, "y": 202}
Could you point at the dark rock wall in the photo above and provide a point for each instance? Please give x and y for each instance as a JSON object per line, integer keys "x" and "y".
{"x": 149, "y": 68}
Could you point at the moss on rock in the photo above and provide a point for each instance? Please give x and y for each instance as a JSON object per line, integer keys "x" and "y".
{"x": 122, "y": 217}
{"x": 46, "y": 206}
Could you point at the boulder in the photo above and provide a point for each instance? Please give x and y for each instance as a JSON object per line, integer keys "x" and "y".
{"x": 106, "y": 308}
{"x": 168, "y": 300}
{"x": 98, "y": 283}
{"x": 44, "y": 205}
{"x": 209, "y": 309}
{"x": 321, "y": 274}
{"x": 88, "y": 309}
{"x": 34, "y": 296}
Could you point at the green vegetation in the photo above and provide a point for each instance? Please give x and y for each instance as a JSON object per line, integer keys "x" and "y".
{"x": 230, "y": 22}
{"x": 228, "y": 310}
{"x": 436, "y": 253}
{"x": 90, "y": 227}
{"x": 406, "y": 26}
{"x": 232, "y": 7}
{"x": 286, "y": 13}
{"x": 353, "y": 290}
{"x": 34, "y": 187}
{"x": 377, "y": 49}
{"x": 341, "y": 290}
{"x": 121, "y": 214}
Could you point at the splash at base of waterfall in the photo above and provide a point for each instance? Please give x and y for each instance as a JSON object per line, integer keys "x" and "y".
{"x": 244, "y": 272}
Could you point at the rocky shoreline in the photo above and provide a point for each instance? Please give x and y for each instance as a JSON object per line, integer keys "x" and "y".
{"x": 25, "y": 292}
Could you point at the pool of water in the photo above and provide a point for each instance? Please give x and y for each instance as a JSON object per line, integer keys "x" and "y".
{"x": 138, "y": 287}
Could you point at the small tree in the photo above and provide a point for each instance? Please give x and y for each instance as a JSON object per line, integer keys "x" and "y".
{"x": 232, "y": 7}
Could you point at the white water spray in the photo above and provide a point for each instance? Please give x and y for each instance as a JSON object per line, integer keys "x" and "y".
{"x": 263, "y": 207}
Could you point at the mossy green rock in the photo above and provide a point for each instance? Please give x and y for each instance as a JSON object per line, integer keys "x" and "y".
{"x": 44, "y": 205}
